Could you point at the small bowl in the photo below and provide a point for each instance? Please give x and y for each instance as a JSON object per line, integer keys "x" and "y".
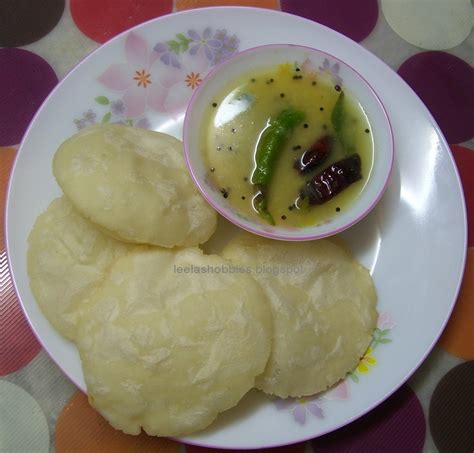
{"x": 267, "y": 57}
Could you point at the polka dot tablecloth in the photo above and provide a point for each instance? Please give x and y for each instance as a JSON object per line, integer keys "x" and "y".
{"x": 430, "y": 44}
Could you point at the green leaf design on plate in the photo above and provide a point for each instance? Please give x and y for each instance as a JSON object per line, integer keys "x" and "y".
{"x": 378, "y": 338}
{"x": 374, "y": 343}
{"x": 179, "y": 45}
{"x": 184, "y": 41}
{"x": 106, "y": 118}
{"x": 354, "y": 377}
{"x": 102, "y": 100}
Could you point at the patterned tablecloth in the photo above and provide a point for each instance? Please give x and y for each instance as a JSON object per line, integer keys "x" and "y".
{"x": 429, "y": 43}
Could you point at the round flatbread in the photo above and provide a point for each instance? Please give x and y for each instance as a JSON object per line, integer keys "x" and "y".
{"x": 67, "y": 259}
{"x": 134, "y": 183}
{"x": 323, "y": 310}
{"x": 171, "y": 339}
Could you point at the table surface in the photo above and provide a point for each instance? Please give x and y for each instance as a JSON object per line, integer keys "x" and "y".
{"x": 429, "y": 42}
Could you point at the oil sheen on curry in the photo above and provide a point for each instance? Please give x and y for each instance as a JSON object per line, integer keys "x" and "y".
{"x": 287, "y": 147}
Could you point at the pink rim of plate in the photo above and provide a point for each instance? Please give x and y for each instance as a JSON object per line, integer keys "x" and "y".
{"x": 340, "y": 36}
{"x": 234, "y": 219}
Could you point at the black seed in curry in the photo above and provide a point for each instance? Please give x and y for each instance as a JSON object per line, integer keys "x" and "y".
{"x": 224, "y": 193}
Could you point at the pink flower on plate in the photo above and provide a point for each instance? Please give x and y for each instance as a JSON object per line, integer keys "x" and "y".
{"x": 179, "y": 82}
{"x": 309, "y": 67}
{"x": 385, "y": 321}
{"x": 145, "y": 81}
{"x": 338, "y": 392}
{"x": 300, "y": 407}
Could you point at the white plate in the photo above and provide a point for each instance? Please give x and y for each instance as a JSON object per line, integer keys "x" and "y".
{"x": 414, "y": 242}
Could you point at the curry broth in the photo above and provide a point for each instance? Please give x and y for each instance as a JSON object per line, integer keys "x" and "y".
{"x": 238, "y": 116}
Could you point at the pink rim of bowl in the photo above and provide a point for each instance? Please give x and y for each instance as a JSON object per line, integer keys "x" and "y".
{"x": 281, "y": 233}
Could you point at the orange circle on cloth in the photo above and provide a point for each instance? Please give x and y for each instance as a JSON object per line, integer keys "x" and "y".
{"x": 18, "y": 343}
{"x": 102, "y": 20}
{"x": 190, "y": 4}
{"x": 458, "y": 336}
{"x": 82, "y": 428}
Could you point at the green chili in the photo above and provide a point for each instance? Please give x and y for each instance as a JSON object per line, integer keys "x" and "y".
{"x": 269, "y": 148}
{"x": 271, "y": 143}
{"x": 338, "y": 116}
{"x": 340, "y": 123}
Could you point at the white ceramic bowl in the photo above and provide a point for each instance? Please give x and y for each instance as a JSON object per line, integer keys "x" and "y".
{"x": 260, "y": 58}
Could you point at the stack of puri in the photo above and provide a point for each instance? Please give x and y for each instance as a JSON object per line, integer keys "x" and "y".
{"x": 164, "y": 351}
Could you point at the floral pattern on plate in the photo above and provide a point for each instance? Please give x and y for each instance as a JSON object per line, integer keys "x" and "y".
{"x": 381, "y": 336}
{"x": 160, "y": 78}
{"x": 326, "y": 69}
{"x": 301, "y": 408}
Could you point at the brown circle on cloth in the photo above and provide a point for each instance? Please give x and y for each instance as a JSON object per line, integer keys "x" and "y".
{"x": 24, "y": 21}
{"x": 452, "y": 410}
